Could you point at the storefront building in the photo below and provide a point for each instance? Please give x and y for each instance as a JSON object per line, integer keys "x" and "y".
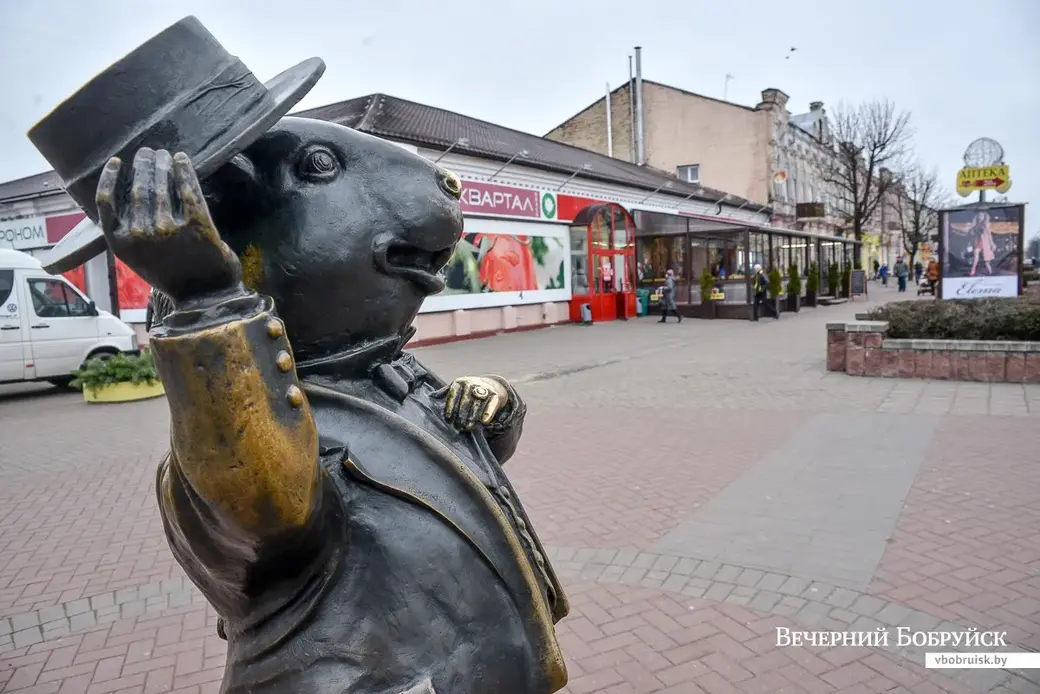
{"x": 691, "y": 245}
{"x": 548, "y": 227}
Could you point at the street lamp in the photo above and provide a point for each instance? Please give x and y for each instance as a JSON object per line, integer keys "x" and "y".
{"x": 666, "y": 184}
{"x": 521, "y": 153}
{"x": 583, "y": 167}
{"x": 464, "y": 141}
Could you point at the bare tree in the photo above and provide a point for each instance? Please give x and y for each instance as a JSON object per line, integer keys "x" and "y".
{"x": 917, "y": 196}
{"x": 868, "y": 137}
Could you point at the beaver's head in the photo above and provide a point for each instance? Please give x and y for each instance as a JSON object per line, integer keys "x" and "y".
{"x": 345, "y": 231}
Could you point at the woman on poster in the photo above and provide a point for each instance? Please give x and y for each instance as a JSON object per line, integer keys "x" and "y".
{"x": 982, "y": 243}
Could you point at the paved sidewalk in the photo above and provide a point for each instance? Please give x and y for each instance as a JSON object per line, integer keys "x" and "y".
{"x": 699, "y": 485}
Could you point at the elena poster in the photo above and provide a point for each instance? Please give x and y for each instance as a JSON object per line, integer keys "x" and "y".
{"x": 981, "y": 251}
{"x": 501, "y": 263}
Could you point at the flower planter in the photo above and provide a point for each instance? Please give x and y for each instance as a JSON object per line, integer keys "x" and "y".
{"x": 705, "y": 309}
{"x": 794, "y": 303}
{"x": 123, "y": 392}
{"x": 809, "y": 299}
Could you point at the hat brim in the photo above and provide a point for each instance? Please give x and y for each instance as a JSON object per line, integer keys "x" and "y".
{"x": 86, "y": 240}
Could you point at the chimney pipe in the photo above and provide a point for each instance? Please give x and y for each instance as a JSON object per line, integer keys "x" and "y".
{"x": 640, "y": 138}
{"x": 632, "y": 110}
{"x": 610, "y": 129}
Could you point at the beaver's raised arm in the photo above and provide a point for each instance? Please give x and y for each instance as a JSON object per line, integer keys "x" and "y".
{"x": 242, "y": 487}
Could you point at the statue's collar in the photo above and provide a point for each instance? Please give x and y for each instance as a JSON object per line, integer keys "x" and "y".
{"x": 357, "y": 361}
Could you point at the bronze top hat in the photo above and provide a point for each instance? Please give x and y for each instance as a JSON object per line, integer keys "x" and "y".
{"x": 180, "y": 91}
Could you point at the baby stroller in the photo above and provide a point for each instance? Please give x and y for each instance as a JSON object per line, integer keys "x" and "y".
{"x": 925, "y": 287}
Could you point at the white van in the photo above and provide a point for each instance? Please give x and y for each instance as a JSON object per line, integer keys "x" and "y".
{"x": 48, "y": 329}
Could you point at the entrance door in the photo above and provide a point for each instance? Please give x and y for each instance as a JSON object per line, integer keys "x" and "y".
{"x": 603, "y": 262}
{"x": 12, "y": 364}
{"x": 62, "y": 326}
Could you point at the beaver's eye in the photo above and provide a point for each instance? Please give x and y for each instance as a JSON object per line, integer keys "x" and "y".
{"x": 318, "y": 164}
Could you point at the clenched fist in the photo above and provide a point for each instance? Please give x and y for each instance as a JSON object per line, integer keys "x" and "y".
{"x": 158, "y": 223}
{"x": 473, "y": 400}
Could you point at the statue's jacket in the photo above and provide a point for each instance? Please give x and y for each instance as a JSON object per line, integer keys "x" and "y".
{"x": 351, "y": 539}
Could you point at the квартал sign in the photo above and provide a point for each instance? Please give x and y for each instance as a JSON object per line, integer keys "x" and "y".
{"x": 23, "y": 234}
{"x": 507, "y": 201}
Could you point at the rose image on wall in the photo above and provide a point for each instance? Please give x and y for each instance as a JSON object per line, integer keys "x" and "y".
{"x": 505, "y": 263}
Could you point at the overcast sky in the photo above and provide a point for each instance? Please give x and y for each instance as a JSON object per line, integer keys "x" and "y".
{"x": 963, "y": 70}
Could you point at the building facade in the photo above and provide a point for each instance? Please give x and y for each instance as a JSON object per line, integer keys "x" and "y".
{"x": 763, "y": 153}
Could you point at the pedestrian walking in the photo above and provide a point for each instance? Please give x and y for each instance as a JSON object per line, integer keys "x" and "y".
{"x": 918, "y": 271}
{"x": 877, "y": 269}
{"x": 668, "y": 298}
{"x": 932, "y": 275}
{"x": 761, "y": 286}
{"x": 884, "y": 275}
{"x": 902, "y": 271}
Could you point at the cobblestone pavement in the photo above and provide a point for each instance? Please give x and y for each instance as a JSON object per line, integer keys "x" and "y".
{"x": 699, "y": 485}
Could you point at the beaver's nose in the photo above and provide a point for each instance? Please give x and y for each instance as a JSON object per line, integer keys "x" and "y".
{"x": 450, "y": 183}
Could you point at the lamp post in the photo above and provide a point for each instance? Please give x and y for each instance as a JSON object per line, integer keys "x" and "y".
{"x": 521, "y": 153}
{"x": 461, "y": 141}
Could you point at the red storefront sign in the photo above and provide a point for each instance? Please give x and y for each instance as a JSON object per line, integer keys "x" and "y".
{"x": 568, "y": 206}
{"x": 489, "y": 198}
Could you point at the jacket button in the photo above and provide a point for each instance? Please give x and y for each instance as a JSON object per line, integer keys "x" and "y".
{"x": 284, "y": 361}
{"x": 275, "y": 329}
{"x": 295, "y": 396}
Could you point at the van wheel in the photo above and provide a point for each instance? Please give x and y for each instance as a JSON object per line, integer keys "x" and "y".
{"x": 100, "y": 354}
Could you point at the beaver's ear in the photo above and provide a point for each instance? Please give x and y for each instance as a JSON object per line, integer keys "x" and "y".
{"x": 235, "y": 196}
{"x": 236, "y": 182}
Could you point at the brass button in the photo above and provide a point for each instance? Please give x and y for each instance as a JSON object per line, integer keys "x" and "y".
{"x": 284, "y": 361}
{"x": 295, "y": 396}
{"x": 539, "y": 560}
{"x": 275, "y": 329}
{"x": 520, "y": 525}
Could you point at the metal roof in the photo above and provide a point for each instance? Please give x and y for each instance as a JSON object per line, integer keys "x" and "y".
{"x": 44, "y": 183}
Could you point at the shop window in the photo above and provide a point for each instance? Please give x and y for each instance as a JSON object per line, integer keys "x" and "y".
{"x": 55, "y": 299}
{"x": 601, "y": 231}
{"x": 758, "y": 247}
{"x": 6, "y": 285}
{"x": 691, "y": 173}
{"x": 579, "y": 261}
{"x": 657, "y": 255}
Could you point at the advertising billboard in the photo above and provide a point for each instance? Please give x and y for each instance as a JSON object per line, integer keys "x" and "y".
{"x": 980, "y": 251}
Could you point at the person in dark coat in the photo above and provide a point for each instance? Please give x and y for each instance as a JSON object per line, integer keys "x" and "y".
{"x": 760, "y": 286}
{"x": 668, "y": 303}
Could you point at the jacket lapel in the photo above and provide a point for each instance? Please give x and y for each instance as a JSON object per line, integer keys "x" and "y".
{"x": 391, "y": 453}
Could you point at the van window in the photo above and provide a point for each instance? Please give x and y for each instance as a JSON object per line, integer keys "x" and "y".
{"x": 6, "y": 285}
{"x": 55, "y": 299}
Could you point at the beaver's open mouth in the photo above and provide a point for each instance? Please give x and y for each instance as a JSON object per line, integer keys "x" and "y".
{"x": 420, "y": 266}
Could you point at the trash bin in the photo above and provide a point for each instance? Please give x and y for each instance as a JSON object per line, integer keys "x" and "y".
{"x": 642, "y": 302}
{"x": 586, "y": 313}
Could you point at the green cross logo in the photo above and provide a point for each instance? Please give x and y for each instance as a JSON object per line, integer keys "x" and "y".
{"x": 549, "y": 205}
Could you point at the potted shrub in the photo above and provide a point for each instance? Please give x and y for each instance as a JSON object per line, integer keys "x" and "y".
{"x": 846, "y": 281}
{"x": 833, "y": 279}
{"x": 120, "y": 378}
{"x": 707, "y": 286}
{"x": 812, "y": 285}
{"x": 794, "y": 288}
{"x": 776, "y": 287}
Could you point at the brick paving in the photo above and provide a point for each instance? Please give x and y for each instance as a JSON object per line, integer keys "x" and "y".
{"x": 634, "y": 429}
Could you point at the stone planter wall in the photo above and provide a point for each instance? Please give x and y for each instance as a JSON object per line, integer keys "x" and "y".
{"x": 861, "y": 349}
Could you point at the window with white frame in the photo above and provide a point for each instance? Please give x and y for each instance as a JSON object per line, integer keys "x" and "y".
{"x": 691, "y": 173}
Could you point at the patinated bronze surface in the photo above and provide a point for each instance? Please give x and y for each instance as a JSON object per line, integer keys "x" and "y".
{"x": 344, "y": 510}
